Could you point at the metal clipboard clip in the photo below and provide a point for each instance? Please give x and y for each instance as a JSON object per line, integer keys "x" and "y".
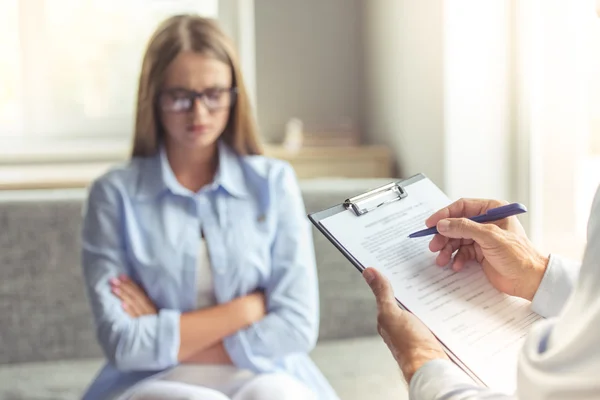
{"x": 376, "y": 198}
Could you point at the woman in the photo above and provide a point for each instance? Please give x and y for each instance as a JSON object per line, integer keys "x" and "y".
{"x": 197, "y": 255}
{"x": 561, "y": 355}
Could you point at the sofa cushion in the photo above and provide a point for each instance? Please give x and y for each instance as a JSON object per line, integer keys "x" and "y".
{"x": 50, "y": 380}
{"x": 361, "y": 368}
{"x": 358, "y": 369}
{"x": 345, "y": 298}
{"x": 44, "y": 313}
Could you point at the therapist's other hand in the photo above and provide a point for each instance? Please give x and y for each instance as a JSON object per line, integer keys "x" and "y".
{"x": 134, "y": 299}
{"x": 409, "y": 340}
{"x": 509, "y": 259}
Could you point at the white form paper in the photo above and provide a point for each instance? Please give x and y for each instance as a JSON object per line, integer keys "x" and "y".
{"x": 482, "y": 327}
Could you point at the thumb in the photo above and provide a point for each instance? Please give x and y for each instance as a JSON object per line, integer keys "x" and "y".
{"x": 381, "y": 287}
{"x": 463, "y": 228}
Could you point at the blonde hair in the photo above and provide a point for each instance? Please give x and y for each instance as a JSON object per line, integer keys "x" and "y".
{"x": 200, "y": 35}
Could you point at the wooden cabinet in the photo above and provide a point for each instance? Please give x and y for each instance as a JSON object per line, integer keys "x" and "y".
{"x": 346, "y": 162}
{"x": 68, "y": 172}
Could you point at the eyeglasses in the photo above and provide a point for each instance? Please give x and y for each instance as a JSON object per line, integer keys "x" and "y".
{"x": 182, "y": 100}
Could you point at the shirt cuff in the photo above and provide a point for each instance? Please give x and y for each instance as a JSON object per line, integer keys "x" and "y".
{"x": 234, "y": 345}
{"x": 168, "y": 337}
{"x": 441, "y": 379}
{"x": 239, "y": 349}
{"x": 556, "y": 286}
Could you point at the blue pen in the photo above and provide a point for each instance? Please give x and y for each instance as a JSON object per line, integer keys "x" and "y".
{"x": 493, "y": 214}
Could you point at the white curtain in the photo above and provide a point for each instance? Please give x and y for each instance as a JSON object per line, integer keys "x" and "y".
{"x": 69, "y": 68}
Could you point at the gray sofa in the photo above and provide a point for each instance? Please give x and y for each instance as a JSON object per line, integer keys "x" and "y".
{"x": 48, "y": 348}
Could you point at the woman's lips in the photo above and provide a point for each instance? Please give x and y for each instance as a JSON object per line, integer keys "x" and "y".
{"x": 198, "y": 129}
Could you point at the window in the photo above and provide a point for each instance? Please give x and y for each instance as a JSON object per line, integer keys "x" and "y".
{"x": 565, "y": 122}
{"x": 9, "y": 69}
{"x": 588, "y": 170}
{"x": 69, "y": 68}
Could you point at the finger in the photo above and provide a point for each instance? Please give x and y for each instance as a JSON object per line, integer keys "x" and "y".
{"x": 446, "y": 253}
{"x": 463, "y": 255}
{"x": 127, "y": 303}
{"x": 132, "y": 288}
{"x": 117, "y": 289}
{"x": 114, "y": 282}
{"x": 463, "y": 228}
{"x": 138, "y": 297}
{"x": 438, "y": 243}
{"x": 148, "y": 307}
{"x": 131, "y": 284}
{"x": 124, "y": 296}
{"x": 130, "y": 310}
{"x": 122, "y": 283}
{"x": 128, "y": 290}
{"x": 135, "y": 309}
{"x": 131, "y": 296}
{"x": 382, "y": 289}
{"x": 463, "y": 208}
{"x": 138, "y": 302}
{"x": 124, "y": 292}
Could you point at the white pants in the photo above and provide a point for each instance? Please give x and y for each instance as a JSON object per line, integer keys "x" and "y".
{"x": 260, "y": 387}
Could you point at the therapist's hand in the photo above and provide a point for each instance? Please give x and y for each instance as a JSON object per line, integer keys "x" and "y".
{"x": 410, "y": 342}
{"x": 509, "y": 259}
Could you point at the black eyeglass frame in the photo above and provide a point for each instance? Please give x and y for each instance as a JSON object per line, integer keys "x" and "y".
{"x": 193, "y": 95}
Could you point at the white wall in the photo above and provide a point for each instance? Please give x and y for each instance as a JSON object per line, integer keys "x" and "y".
{"x": 477, "y": 96}
{"x": 237, "y": 19}
{"x": 431, "y": 79}
{"x": 438, "y": 82}
{"x": 404, "y": 83}
{"x": 308, "y": 62}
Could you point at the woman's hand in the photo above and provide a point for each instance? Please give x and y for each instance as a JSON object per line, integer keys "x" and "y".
{"x": 508, "y": 258}
{"x": 410, "y": 342}
{"x": 133, "y": 298}
{"x": 254, "y": 306}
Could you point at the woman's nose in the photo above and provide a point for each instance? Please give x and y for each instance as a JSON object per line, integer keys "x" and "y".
{"x": 200, "y": 110}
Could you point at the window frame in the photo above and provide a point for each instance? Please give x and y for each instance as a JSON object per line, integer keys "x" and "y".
{"x": 26, "y": 148}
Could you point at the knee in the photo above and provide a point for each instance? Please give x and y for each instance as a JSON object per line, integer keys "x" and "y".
{"x": 275, "y": 387}
{"x": 179, "y": 396}
{"x": 161, "y": 390}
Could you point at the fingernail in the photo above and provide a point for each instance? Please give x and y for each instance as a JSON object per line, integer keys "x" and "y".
{"x": 443, "y": 225}
{"x": 114, "y": 281}
{"x": 116, "y": 290}
{"x": 368, "y": 275}
{"x": 124, "y": 306}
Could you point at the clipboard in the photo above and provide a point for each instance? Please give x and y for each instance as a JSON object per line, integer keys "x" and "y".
{"x": 370, "y": 202}
{"x": 361, "y": 204}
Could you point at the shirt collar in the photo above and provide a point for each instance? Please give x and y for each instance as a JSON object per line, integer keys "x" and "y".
{"x": 230, "y": 175}
{"x": 157, "y": 175}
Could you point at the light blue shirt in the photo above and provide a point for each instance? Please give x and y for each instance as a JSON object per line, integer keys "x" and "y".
{"x": 141, "y": 222}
